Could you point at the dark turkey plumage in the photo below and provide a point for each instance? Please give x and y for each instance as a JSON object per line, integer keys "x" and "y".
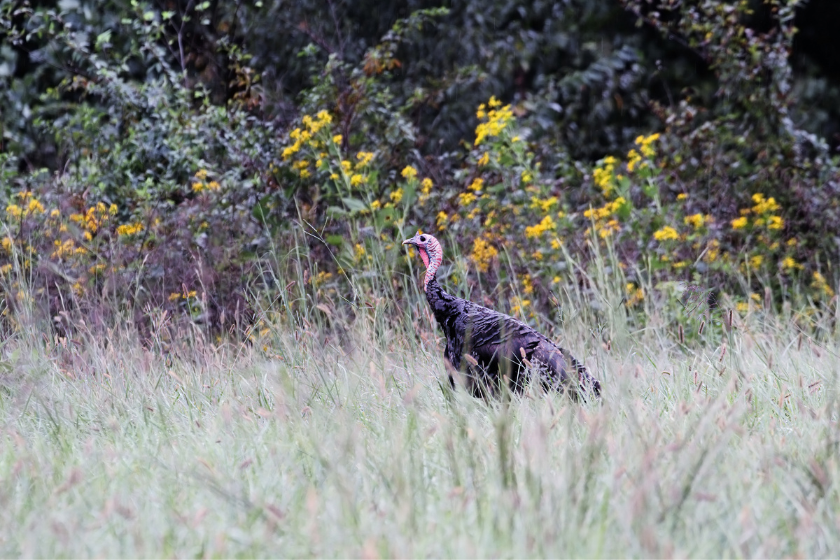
{"x": 488, "y": 346}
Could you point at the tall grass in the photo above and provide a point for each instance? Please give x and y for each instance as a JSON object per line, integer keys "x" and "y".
{"x": 326, "y": 436}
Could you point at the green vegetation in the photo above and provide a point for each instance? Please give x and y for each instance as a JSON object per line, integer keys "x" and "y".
{"x": 306, "y": 444}
{"x": 214, "y": 343}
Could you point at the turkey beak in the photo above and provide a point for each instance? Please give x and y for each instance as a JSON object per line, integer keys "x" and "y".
{"x": 408, "y": 241}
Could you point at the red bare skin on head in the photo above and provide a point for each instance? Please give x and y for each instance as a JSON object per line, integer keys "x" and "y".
{"x": 424, "y": 255}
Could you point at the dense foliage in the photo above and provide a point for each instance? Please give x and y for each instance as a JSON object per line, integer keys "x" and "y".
{"x": 161, "y": 155}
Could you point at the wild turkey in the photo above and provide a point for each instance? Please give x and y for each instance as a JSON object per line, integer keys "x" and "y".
{"x": 489, "y": 346}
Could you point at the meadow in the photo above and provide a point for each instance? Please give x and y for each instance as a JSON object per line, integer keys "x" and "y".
{"x": 309, "y": 444}
{"x": 213, "y": 344}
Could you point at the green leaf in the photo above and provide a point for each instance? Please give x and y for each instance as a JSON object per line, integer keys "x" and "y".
{"x": 261, "y": 209}
{"x": 103, "y": 38}
{"x": 335, "y": 211}
{"x": 354, "y": 204}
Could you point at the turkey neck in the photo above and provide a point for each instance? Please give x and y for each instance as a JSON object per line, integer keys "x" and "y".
{"x": 442, "y": 303}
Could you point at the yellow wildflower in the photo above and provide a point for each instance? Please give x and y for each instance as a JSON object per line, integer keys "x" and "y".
{"x": 644, "y": 144}
{"x": 483, "y": 253}
{"x": 337, "y": 139}
{"x": 409, "y": 172}
{"x": 776, "y": 222}
{"x": 497, "y": 120}
{"x": 611, "y": 227}
{"x": 682, "y": 196}
{"x": 427, "y": 186}
{"x": 442, "y": 219}
{"x": 465, "y": 199}
{"x": 364, "y": 159}
{"x": 755, "y": 261}
{"x": 739, "y": 223}
{"x": 527, "y": 177}
{"x": 821, "y": 284}
{"x": 484, "y": 159}
{"x": 396, "y": 196}
{"x": 14, "y": 211}
{"x": 545, "y": 225}
{"x": 35, "y": 207}
{"x": 633, "y": 159}
{"x": 214, "y": 185}
{"x": 201, "y": 174}
{"x": 359, "y": 251}
{"x": 695, "y": 220}
{"x": 790, "y": 263}
{"x": 129, "y": 229}
{"x": 665, "y": 233}
{"x": 544, "y": 205}
{"x": 356, "y": 180}
{"x": 476, "y": 184}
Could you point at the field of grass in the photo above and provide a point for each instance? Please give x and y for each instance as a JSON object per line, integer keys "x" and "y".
{"x": 300, "y": 446}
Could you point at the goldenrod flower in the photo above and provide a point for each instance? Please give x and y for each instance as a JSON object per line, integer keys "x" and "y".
{"x": 482, "y": 254}
{"x": 129, "y": 229}
{"x": 790, "y": 263}
{"x": 427, "y": 186}
{"x": 695, "y": 220}
{"x": 821, "y": 284}
{"x": 14, "y": 211}
{"x": 545, "y": 225}
{"x": 776, "y": 222}
{"x": 409, "y": 172}
{"x": 497, "y": 120}
{"x": 666, "y": 233}
{"x": 337, "y": 139}
{"x": 35, "y": 207}
{"x": 364, "y": 159}
{"x": 476, "y": 184}
{"x": 356, "y": 180}
{"x": 442, "y": 219}
{"x": 682, "y": 196}
{"x": 466, "y": 199}
{"x": 756, "y": 260}
{"x": 633, "y": 159}
{"x": 739, "y": 223}
{"x": 484, "y": 159}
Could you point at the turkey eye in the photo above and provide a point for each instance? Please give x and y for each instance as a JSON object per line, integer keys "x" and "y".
{"x": 423, "y": 238}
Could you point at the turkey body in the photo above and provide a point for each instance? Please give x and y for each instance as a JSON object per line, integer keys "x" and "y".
{"x": 490, "y": 347}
